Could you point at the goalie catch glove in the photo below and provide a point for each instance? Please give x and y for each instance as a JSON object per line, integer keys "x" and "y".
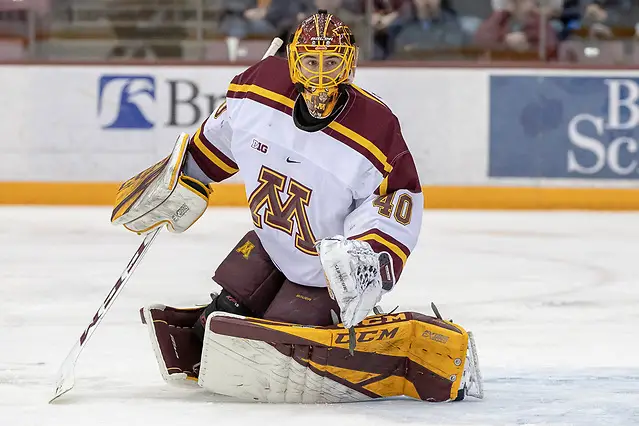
{"x": 161, "y": 194}
{"x": 353, "y": 276}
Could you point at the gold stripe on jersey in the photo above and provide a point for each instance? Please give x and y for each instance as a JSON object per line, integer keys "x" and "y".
{"x": 368, "y": 95}
{"x": 383, "y": 187}
{"x": 220, "y": 110}
{"x": 352, "y": 135}
{"x": 393, "y": 247}
{"x": 211, "y": 156}
{"x": 363, "y": 142}
{"x": 262, "y": 92}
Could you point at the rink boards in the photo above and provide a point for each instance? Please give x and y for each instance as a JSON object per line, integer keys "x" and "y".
{"x": 481, "y": 138}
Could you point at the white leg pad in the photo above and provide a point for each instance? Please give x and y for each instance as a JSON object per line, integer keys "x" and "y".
{"x": 256, "y": 371}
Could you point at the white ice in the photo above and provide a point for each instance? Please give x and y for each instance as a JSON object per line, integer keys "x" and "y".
{"x": 552, "y": 297}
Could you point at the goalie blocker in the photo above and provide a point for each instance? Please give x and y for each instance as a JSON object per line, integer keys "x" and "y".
{"x": 253, "y": 359}
{"x": 162, "y": 194}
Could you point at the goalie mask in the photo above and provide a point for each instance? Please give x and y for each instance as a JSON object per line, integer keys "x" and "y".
{"x": 322, "y": 55}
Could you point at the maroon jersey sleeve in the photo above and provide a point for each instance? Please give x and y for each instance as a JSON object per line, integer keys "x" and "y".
{"x": 390, "y": 217}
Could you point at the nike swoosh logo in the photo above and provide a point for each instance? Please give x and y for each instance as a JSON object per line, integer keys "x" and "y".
{"x": 288, "y": 160}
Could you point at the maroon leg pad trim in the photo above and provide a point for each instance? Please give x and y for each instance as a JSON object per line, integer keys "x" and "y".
{"x": 180, "y": 348}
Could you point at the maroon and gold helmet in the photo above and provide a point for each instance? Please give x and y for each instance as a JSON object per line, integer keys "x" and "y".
{"x": 322, "y": 55}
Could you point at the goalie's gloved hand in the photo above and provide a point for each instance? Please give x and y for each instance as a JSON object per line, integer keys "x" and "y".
{"x": 352, "y": 272}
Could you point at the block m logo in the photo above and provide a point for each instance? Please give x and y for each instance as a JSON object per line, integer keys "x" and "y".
{"x": 280, "y": 215}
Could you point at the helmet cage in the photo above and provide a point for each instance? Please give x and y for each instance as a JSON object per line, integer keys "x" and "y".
{"x": 318, "y": 41}
{"x": 320, "y": 77}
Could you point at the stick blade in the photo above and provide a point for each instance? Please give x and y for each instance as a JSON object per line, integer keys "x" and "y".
{"x": 66, "y": 375}
{"x": 65, "y": 382}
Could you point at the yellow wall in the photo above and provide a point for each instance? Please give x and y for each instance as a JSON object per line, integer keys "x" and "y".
{"x": 442, "y": 197}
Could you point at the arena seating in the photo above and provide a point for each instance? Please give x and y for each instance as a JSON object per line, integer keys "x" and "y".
{"x": 189, "y": 30}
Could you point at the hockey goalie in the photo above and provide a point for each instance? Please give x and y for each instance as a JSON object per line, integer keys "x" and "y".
{"x": 337, "y": 207}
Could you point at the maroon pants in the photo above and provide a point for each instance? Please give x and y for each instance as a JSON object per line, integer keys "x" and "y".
{"x": 250, "y": 276}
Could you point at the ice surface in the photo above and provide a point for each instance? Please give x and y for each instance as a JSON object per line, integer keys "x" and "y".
{"x": 553, "y": 300}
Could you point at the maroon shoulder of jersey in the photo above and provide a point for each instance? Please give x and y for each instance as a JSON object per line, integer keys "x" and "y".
{"x": 366, "y": 125}
{"x": 267, "y": 82}
{"x": 370, "y": 122}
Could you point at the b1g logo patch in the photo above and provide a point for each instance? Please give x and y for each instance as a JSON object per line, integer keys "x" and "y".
{"x": 259, "y": 146}
{"x": 267, "y": 206}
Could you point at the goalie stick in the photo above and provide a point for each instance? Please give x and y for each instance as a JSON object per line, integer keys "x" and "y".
{"x": 66, "y": 377}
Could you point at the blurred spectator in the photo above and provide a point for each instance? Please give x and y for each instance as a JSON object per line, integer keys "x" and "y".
{"x": 384, "y": 15}
{"x": 385, "y": 12}
{"x": 154, "y": 34}
{"x": 611, "y": 12}
{"x": 264, "y": 18}
{"x": 428, "y": 26}
{"x": 285, "y": 15}
{"x": 569, "y": 19}
{"x": 242, "y": 18}
{"x": 599, "y": 16}
{"x": 597, "y": 19}
{"x": 345, "y": 12}
{"x": 516, "y": 27}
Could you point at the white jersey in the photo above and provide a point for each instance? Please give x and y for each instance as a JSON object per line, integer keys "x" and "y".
{"x": 355, "y": 177}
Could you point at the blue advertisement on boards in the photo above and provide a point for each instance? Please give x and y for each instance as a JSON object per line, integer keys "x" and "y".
{"x": 134, "y": 102}
{"x": 564, "y": 127}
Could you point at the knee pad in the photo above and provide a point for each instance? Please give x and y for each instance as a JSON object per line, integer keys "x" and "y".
{"x": 298, "y": 304}
{"x": 248, "y": 274}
